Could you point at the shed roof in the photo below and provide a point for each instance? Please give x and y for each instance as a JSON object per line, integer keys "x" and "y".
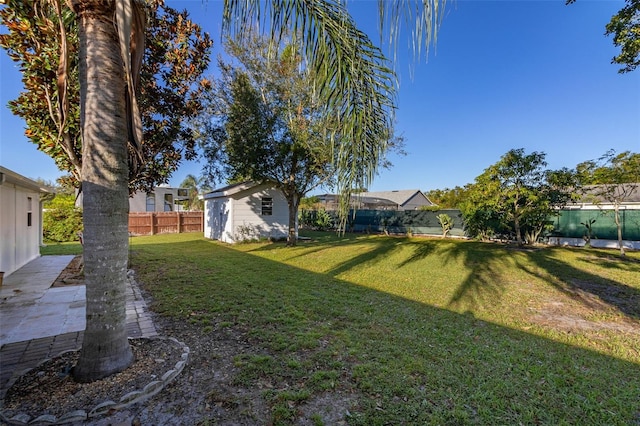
{"x": 229, "y": 190}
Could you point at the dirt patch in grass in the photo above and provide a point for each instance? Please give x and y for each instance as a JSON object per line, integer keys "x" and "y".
{"x": 589, "y": 306}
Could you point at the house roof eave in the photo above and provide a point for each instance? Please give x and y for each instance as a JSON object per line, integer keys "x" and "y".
{"x": 11, "y": 177}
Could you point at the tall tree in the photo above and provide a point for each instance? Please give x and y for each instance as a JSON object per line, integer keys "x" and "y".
{"x": 93, "y": 65}
{"x": 351, "y": 76}
{"x": 176, "y": 54}
{"x": 516, "y": 175}
{"x": 519, "y": 191}
{"x": 269, "y": 126}
{"x": 107, "y": 71}
{"x": 195, "y": 186}
{"x": 612, "y": 178}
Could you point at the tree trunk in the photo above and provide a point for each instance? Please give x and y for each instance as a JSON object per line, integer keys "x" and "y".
{"x": 293, "y": 201}
{"x": 105, "y": 349}
{"x": 516, "y": 225}
{"x": 616, "y": 212}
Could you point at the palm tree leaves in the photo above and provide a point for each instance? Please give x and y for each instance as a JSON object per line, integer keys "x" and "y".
{"x": 351, "y": 75}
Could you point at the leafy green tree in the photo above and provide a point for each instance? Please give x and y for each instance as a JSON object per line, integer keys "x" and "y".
{"x": 174, "y": 47}
{"x": 612, "y": 178}
{"x": 625, "y": 28}
{"x": 482, "y": 213}
{"x": 448, "y": 198}
{"x": 558, "y": 188}
{"x": 351, "y": 77}
{"x": 514, "y": 179}
{"x": 269, "y": 126}
{"x": 518, "y": 193}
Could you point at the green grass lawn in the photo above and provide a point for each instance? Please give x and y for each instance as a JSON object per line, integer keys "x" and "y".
{"x": 416, "y": 331}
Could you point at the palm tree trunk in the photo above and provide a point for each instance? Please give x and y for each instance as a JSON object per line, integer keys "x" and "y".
{"x": 105, "y": 349}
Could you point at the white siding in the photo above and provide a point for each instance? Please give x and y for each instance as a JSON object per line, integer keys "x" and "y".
{"x": 238, "y": 216}
{"x": 20, "y": 242}
{"x": 217, "y": 218}
{"x": 248, "y": 221}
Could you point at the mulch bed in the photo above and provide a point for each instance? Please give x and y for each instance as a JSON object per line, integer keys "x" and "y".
{"x": 71, "y": 275}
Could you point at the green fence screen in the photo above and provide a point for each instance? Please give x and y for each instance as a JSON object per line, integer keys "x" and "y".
{"x": 402, "y": 222}
{"x": 570, "y": 224}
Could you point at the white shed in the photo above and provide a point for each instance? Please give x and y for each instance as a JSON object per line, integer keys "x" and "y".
{"x": 245, "y": 211}
{"x": 20, "y": 220}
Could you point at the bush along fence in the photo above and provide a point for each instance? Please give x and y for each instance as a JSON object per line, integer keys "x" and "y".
{"x": 409, "y": 222}
{"x": 593, "y": 224}
{"x": 165, "y": 222}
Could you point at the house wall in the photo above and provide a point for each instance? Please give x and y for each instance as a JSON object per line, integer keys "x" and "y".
{"x": 415, "y": 202}
{"x": 239, "y": 216}
{"x": 20, "y": 243}
{"x": 138, "y": 202}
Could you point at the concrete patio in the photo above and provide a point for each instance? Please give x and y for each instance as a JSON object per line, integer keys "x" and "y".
{"x": 39, "y": 322}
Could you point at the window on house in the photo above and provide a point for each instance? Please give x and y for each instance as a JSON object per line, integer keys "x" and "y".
{"x": 151, "y": 202}
{"x": 183, "y": 192}
{"x": 29, "y": 211}
{"x": 267, "y": 206}
{"x": 168, "y": 202}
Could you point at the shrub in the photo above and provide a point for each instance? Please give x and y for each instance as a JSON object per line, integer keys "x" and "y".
{"x": 61, "y": 220}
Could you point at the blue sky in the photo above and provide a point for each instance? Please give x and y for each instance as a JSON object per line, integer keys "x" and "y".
{"x": 504, "y": 74}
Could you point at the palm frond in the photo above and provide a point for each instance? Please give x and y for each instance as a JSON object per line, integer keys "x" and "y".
{"x": 352, "y": 75}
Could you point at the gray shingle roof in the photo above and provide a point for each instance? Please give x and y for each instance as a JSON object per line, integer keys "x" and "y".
{"x": 593, "y": 193}
{"x": 399, "y": 197}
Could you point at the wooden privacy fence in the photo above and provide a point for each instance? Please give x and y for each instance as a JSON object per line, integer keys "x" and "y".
{"x": 165, "y": 222}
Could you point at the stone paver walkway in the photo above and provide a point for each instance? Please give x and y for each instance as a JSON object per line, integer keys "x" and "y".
{"x": 38, "y": 322}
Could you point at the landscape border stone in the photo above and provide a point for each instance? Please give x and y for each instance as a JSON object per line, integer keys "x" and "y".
{"x": 134, "y": 397}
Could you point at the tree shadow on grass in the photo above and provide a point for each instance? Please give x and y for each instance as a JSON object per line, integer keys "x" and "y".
{"x": 405, "y": 362}
{"x": 574, "y": 282}
{"x": 485, "y": 263}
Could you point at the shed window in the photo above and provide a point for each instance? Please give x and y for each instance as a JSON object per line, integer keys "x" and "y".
{"x": 267, "y": 206}
{"x": 151, "y": 202}
{"x": 29, "y": 211}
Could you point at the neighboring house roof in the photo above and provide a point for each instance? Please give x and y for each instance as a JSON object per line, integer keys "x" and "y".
{"x": 227, "y": 191}
{"x": 400, "y": 197}
{"x": 12, "y": 177}
{"x": 594, "y": 193}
